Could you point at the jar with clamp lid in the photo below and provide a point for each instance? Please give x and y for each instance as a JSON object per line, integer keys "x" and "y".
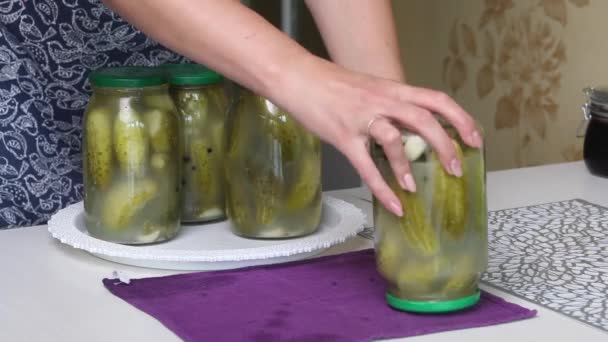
{"x": 595, "y": 112}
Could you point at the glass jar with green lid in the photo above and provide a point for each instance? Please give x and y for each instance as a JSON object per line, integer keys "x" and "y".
{"x": 273, "y": 171}
{"x": 131, "y": 159}
{"x": 433, "y": 256}
{"x": 200, "y": 99}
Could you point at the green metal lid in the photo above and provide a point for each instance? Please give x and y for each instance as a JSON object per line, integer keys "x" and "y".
{"x": 433, "y": 307}
{"x": 190, "y": 74}
{"x": 127, "y": 77}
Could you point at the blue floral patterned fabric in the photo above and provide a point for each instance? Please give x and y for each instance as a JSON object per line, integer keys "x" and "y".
{"x": 47, "y": 49}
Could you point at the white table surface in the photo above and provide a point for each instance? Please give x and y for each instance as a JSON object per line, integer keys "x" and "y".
{"x": 50, "y": 292}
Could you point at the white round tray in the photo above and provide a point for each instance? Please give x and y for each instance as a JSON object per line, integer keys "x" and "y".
{"x": 212, "y": 246}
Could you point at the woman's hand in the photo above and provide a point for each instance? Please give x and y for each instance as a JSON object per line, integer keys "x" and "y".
{"x": 348, "y": 109}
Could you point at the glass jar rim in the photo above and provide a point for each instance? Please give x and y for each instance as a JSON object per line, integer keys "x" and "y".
{"x": 598, "y": 95}
{"x": 129, "y": 90}
{"x": 190, "y": 75}
{"x": 597, "y": 101}
{"x": 127, "y": 77}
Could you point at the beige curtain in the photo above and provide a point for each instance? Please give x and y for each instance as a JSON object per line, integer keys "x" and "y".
{"x": 517, "y": 65}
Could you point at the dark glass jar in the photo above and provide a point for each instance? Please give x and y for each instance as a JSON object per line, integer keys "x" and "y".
{"x": 200, "y": 99}
{"x": 432, "y": 257}
{"x": 596, "y": 134}
{"x": 131, "y": 164}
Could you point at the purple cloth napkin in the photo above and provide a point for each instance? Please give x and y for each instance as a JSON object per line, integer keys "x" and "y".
{"x": 335, "y": 298}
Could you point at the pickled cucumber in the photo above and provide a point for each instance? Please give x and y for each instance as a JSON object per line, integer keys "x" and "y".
{"x": 159, "y": 161}
{"x": 99, "y": 148}
{"x": 162, "y": 212}
{"x": 237, "y": 212}
{"x": 164, "y": 169}
{"x": 421, "y": 277}
{"x": 312, "y": 142}
{"x": 162, "y": 130}
{"x": 449, "y": 198}
{"x": 267, "y": 191}
{"x": 315, "y": 210}
{"x": 236, "y": 208}
{"x": 168, "y": 210}
{"x": 236, "y": 129}
{"x": 388, "y": 256}
{"x": 476, "y": 176}
{"x": 463, "y": 279}
{"x": 307, "y": 186}
{"x": 415, "y": 224}
{"x": 218, "y": 135}
{"x": 205, "y": 160}
{"x": 123, "y": 202}
{"x": 130, "y": 143}
{"x": 218, "y": 99}
{"x": 158, "y": 101}
{"x": 239, "y": 128}
{"x": 286, "y": 133}
{"x": 151, "y": 233}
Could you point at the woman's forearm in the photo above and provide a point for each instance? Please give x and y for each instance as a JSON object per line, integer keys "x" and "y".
{"x": 222, "y": 34}
{"x": 360, "y": 35}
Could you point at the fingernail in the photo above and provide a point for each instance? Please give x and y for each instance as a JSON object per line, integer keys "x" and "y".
{"x": 397, "y": 210}
{"x": 409, "y": 182}
{"x": 476, "y": 139}
{"x": 455, "y": 167}
{"x": 402, "y": 183}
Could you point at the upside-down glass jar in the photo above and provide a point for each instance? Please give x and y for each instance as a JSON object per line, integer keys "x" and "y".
{"x": 433, "y": 256}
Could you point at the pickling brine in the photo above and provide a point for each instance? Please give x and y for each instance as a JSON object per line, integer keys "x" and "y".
{"x": 433, "y": 256}
{"x": 131, "y": 167}
{"x": 202, "y": 104}
{"x": 273, "y": 171}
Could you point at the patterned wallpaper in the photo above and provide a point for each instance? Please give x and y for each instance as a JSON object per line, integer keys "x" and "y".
{"x": 518, "y": 66}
